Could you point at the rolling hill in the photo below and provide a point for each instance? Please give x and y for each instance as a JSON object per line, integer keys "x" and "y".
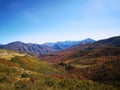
{"x": 98, "y": 61}
{"x": 25, "y": 72}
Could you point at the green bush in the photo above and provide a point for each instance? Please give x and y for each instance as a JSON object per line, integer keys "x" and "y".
{"x": 25, "y": 75}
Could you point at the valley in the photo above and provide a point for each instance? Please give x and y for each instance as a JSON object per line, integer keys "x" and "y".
{"x": 59, "y": 44}
{"x": 88, "y": 66}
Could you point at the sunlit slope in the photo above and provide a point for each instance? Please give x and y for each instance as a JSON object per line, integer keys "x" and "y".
{"x": 7, "y": 55}
{"x": 26, "y": 62}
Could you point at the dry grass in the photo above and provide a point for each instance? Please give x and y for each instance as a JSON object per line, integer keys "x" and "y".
{"x": 7, "y": 55}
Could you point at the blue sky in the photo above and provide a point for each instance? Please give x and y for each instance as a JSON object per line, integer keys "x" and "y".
{"x": 40, "y": 21}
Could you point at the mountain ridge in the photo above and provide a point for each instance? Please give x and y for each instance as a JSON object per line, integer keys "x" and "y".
{"x": 84, "y": 49}
{"x": 41, "y": 48}
{"x": 60, "y": 45}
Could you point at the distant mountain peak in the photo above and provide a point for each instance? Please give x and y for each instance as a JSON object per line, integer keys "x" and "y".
{"x": 16, "y": 42}
{"x": 88, "y": 40}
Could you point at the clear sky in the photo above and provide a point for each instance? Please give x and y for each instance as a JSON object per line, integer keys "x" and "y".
{"x": 40, "y": 21}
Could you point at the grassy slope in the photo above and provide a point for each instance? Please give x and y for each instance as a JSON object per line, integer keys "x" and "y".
{"x": 5, "y": 54}
{"x": 24, "y": 72}
{"x": 99, "y": 64}
{"x": 98, "y": 61}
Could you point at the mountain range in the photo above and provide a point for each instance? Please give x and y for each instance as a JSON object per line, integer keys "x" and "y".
{"x": 104, "y": 47}
{"x": 93, "y": 65}
{"x": 66, "y": 44}
{"x": 42, "y": 48}
{"x": 112, "y": 41}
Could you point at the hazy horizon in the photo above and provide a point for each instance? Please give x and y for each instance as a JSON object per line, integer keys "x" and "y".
{"x": 56, "y": 41}
{"x": 41, "y": 21}
{"x": 47, "y": 42}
